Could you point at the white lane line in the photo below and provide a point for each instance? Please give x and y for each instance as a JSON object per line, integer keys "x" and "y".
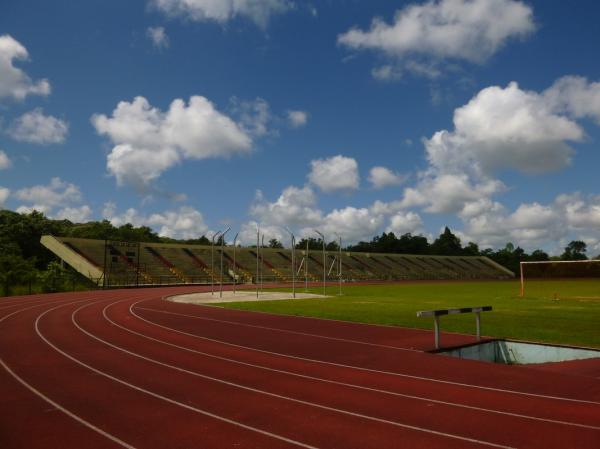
{"x": 38, "y": 305}
{"x": 408, "y": 376}
{"x": 279, "y": 396}
{"x": 55, "y": 404}
{"x": 333, "y": 382}
{"x": 158, "y": 396}
{"x": 24, "y": 302}
{"x": 286, "y": 331}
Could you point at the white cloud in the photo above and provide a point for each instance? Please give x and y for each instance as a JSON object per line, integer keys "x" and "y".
{"x": 35, "y": 127}
{"x": 4, "y": 194}
{"x": 183, "y": 223}
{"x": 575, "y": 96}
{"x": 335, "y": 173}
{"x": 247, "y": 235}
{"x": 46, "y": 197}
{"x": 448, "y": 193}
{"x": 13, "y": 81}
{"x": 294, "y": 207}
{"x": 580, "y": 214}
{"x": 352, "y": 223}
{"x": 149, "y": 141}
{"x": 531, "y": 225}
{"x": 387, "y": 72}
{"x": 57, "y": 194}
{"x": 297, "y": 119}
{"x": 4, "y": 161}
{"x": 81, "y": 214}
{"x": 505, "y": 128}
{"x": 381, "y": 177}
{"x": 259, "y": 11}
{"x": 498, "y": 129}
{"x": 405, "y": 222}
{"x": 253, "y": 116}
{"x": 158, "y": 37}
{"x": 421, "y": 35}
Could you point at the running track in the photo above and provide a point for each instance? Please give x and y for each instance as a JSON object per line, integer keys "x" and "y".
{"x": 128, "y": 369}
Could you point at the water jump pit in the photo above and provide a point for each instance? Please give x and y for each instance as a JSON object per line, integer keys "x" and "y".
{"x": 519, "y": 353}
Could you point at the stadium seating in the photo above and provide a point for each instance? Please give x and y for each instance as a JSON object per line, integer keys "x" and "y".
{"x": 132, "y": 263}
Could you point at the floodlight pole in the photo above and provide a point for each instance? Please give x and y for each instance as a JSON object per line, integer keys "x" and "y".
{"x": 262, "y": 261}
{"x": 222, "y": 249}
{"x": 324, "y": 261}
{"x": 293, "y": 262}
{"x": 306, "y": 268}
{"x": 257, "y": 256}
{"x": 339, "y": 263}
{"x": 212, "y": 263}
{"x": 234, "y": 265}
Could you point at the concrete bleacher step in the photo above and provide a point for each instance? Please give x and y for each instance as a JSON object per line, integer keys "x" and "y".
{"x": 134, "y": 263}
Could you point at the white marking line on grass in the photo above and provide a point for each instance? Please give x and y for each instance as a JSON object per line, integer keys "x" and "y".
{"x": 158, "y": 396}
{"x": 409, "y": 376}
{"x": 306, "y": 334}
{"x": 333, "y": 382}
{"x": 279, "y": 396}
{"x": 56, "y": 405}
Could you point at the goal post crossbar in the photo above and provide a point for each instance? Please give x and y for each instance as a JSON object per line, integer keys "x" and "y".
{"x": 544, "y": 262}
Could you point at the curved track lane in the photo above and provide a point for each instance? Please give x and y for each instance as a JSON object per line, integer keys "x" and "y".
{"x": 127, "y": 369}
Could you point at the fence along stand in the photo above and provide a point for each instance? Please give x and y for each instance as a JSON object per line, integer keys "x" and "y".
{"x": 437, "y": 313}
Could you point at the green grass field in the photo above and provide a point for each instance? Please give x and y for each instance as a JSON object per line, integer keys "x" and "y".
{"x": 573, "y": 319}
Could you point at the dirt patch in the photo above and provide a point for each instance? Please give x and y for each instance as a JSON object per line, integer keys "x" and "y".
{"x": 239, "y": 296}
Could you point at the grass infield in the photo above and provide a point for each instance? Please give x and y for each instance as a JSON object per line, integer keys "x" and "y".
{"x": 572, "y": 319}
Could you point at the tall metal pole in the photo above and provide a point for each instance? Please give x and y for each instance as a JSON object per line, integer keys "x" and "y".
{"x": 212, "y": 263}
{"x": 306, "y": 268}
{"x": 262, "y": 261}
{"x": 234, "y": 265}
{"x": 324, "y": 261}
{"x": 137, "y": 272}
{"x": 257, "y": 256}
{"x": 221, "y": 275}
{"x": 104, "y": 276}
{"x": 339, "y": 263}
{"x": 293, "y": 262}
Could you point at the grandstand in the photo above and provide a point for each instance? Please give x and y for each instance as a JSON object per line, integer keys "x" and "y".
{"x": 119, "y": 264}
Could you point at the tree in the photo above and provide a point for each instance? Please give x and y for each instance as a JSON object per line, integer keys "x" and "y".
{"x": 54, "y": 278}
{"x": 14, "y": 271}
{"x": 539, "y": 256}
{"x": 274, "y": 243}
{"x": 472, "y": 249}
{"x": 447, "y": 244}
{"x": 575, "y": 250}
{"x": 313, "y": 244}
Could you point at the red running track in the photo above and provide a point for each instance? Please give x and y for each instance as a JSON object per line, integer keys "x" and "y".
{"x": 128, "y": 369}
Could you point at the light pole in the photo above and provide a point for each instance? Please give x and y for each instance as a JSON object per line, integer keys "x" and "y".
{"x": 212, "y": 263}
{"x": 234, "y": 265}
{"x": 324, "y": 261}
{"x": 222, "y": 249}
{"x": 262, "y": 261}
{"x": 306, "y": 268}
{"x": 339, "y": 262}
{"x": 257, "y": 256}
{"x": 293, "y": 262}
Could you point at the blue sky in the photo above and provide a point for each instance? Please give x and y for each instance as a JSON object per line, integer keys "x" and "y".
{"x": 188, "y": 115}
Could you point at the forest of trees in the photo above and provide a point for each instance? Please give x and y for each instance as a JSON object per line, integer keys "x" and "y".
{"x": 24, "y": 261}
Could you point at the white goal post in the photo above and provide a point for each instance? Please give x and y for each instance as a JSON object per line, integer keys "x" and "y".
{"x": 549, "y": 262}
